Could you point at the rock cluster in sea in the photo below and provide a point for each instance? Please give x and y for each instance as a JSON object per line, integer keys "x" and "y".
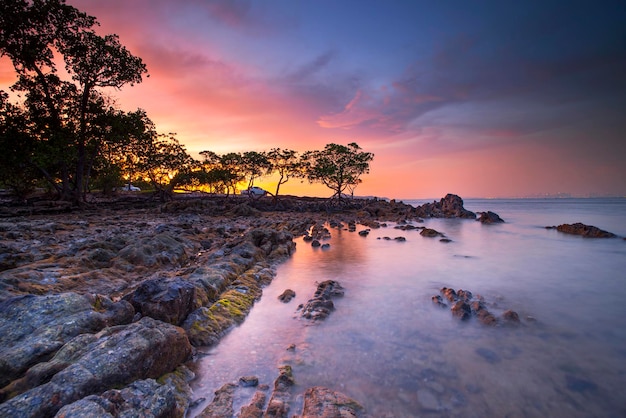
{"x": 587, "y": 231}
{"x": 466, "y": 305}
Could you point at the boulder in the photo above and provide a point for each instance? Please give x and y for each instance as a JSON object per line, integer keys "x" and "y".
{"x": 461, "y": 310}
{"x": 450, "y": 206}
{"x": 587, "y": 231}
{"x": 490, "y": 218}
{"x": 222, "y": 404}
{"x": 255, "y": 408}
{"x": 166, "y": 299}
{"x": 323, "y": 402}
{"x": 33, "y": 328}
{"x": 94, "y": 363}
{"x": 430, "y": 233}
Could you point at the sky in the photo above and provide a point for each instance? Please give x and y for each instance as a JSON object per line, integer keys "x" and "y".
{"x": 477, "y": 98}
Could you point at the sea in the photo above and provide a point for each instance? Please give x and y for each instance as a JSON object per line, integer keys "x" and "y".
{"x": 390, "y": 348}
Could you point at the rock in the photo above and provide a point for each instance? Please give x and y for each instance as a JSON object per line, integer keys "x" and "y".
{"x": 323, "y": 402}
{"x": 249, "y": 381}
{"x": 325, "y": 246}
{"x": 255, "y": 408}
{"x": 315, "y": 243}
{"x": 222, "y": 404}
{"x": 93, "y": 363}
{"x": 511, "y": 317}
{"x": 278, "y": 405}
{"x": 451, "y": 206}
{"x": 400, "y": 239}
{"x": 465, "y": 295}
{"x": 320, "y": 306}
{"x": 430, "y": 233}
{"x": 437, "y": 300}
{"x": 449, "y": 294}
{"x": 158, "y": 250}
{"x": 461, "y": 310}
{"x": 490, "y": 218}
{"x": 587, "y": 231}
{"x": 33, "y": 328}
{"x": 364, "y": 232}
{"x": 287, "y": 295}
{"x": 166, "y": 299}
{"x": 140, "y": 398}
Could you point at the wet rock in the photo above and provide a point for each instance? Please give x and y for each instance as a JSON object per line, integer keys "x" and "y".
{"x": 445, "y": 240}
{"x": 430, "y": 233}
{"x": 511, "y": 317}
{"x": 93, "y": 363}
{"x": 364, "y": 232}
{"x": 461, "y": 310}
{"x": 158, "y": 250}
{"x": 222, "y": 404}
{"x": 287, "y": 295}
{"x": 11, "y": 257}
{"x": 576, "y": 384}
{"x": 449, "y": 294}
{"x": 323, "y": 402}
{"x": 587, "y": 231}
{"x": 465, "y": 295}
{"x": 490, "y": 217}
{"x": 489, "y": 355}
{"x": 278, "y": 405}
{"x": 321, "y": 305}
{"x": 428, "y": 400}
{"x": 249, "y": 381}
{"x": 33, "y": 328}
{"x": 255, "y": 408}
{"x": 437, "y": 300}
{"x": 400, "y": 239}
{"x": 315, "y": 243}
{"x": 166, "y": 299}
{"x": 450, "y": 206}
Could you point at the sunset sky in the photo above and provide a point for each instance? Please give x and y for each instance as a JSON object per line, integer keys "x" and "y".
{"x": 479, "y": 98}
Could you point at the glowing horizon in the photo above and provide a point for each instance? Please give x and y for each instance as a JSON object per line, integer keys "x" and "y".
{"x": 487, "y": 100}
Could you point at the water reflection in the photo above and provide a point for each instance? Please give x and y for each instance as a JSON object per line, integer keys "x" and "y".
{"x": 390, "y": 348}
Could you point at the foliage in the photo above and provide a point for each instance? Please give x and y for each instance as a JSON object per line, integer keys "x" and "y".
{"x": 338, "y": 167}
{"x": 287, "y": 164}
{"x": 63, "y": 115}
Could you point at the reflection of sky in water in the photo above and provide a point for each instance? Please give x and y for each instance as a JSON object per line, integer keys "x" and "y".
{"x": 389, "y": 348}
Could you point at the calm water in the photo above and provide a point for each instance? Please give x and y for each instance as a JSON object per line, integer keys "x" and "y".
{"x": 387, "y": 346}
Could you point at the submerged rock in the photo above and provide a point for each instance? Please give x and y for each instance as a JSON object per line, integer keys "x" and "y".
{"x": 323, "y": 402}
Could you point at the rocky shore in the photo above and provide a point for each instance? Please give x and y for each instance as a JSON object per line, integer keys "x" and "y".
{"x": 102, "y": 307}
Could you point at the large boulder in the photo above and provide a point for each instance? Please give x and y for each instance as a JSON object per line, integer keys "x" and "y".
{"x": 33, "y": 328}
{"x": 490, "y": 217}
{"x": 587, "y": 231}
{"x": 451, "y": 206}
{"x": 93, "y": 363}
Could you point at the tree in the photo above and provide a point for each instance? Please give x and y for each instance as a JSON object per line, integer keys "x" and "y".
{"x": 160, "y": 161}
{"x": 337, "y": 167}
{"x": 63, "y": 112}
{"x": 287, "y": 164}
{"x": 253, "y": 165}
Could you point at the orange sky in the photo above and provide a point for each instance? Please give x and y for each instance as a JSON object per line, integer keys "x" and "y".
{"x": 449, "y": 98}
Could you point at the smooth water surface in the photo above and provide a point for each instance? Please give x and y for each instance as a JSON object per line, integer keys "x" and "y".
{"x": 389, "y": 347}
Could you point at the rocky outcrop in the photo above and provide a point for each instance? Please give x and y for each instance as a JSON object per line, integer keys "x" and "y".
{"x": 166, "y": 299}
{"x": 587, "y": 231}
{"x": 222, "y": 404}
{"x": 323, "y": 402}
{"x": 490, "y": 217}
{"x": 321, "y": 305}
{"x": 451, "y": 206}
{"x": 94, "y": 363}
{"x": 34, "y": 328}
{"x": 465, "y": 306}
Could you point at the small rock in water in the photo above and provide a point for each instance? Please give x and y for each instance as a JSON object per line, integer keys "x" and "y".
{"x": 576, "y": 384}
{"x": 249, "y": 381}
{"x": 462, "y": 310}
{"x": 287, "y": 295}
{"x": 325, "y": 246}
{"x": 428, "y": 400}
{"x": 488, "y": 355}
{"x": 315, "y": 243}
